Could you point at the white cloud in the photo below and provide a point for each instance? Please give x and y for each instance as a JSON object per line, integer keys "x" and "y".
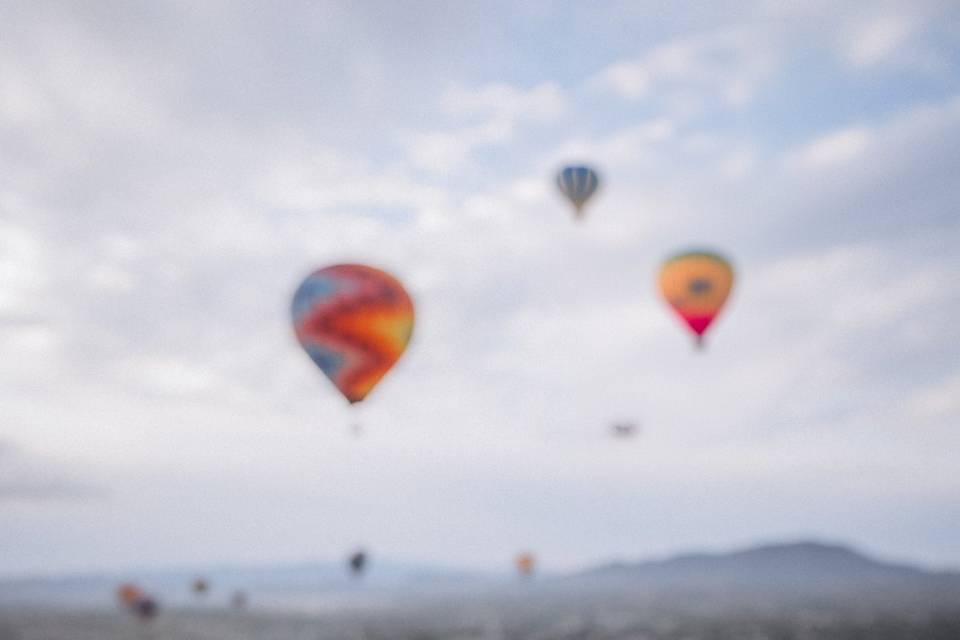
{"x": 29, "y": 340}
{"x": 28, "y": 478}
{"x": 121, "y": 247}
{"x": 20, "y": 102}
{"x": 448, "y": 150}
{"x": 896, "y": 299}
{"x": 941, "y": 400}
{"x": 878, "y": 39}
{"x": 109, "y": 278}
{"x": 22, "y": 269}
{"x": 498, "y": 109}
{"x": 620, "y": 148}
{"x": 830, "y": 150}
{"x": 688, "y": 74}
{"x": 331, "y": 182}
{"x": 86, "y": 92}
{"x": 169, "y": 376}
{"x": 543, "y": 103}
{"x": 738, "y": 163}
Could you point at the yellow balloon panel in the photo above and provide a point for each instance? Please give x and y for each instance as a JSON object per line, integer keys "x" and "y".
{"x": 696, "y": 285}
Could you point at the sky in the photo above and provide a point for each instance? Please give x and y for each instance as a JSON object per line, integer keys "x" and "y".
{"x": 170, "y": 171}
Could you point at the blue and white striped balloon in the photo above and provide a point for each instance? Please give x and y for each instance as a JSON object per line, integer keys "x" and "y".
{"x": 578, "y": 184}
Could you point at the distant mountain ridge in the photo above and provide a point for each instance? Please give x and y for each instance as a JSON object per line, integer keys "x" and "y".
{"x": 785, "y": 570}
{"x": 798, "y": 564}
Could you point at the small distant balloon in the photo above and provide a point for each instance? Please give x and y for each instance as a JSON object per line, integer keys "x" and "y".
{"x": 354, "y": 322}
{"x": 357, "y": 563}
{"x": 146, "y": 608}
{"x": 578, "y": 184}
{"x": 200, "y": 586}
{"x": 128, "y": 594}
{"x": 624, "y": 429}
{"x": 696, "y": 284}
{"x": 133, "y": 599}
{"x": 525, "y": 563}
{"x": 238, "y": 600}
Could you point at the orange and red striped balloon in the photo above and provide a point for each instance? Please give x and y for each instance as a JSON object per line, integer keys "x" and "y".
{"x": 354, "y": 322}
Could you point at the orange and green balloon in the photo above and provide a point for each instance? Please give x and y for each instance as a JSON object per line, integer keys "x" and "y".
{"x": 696, "y": 284}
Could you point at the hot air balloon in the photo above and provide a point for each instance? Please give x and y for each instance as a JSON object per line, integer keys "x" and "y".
{"x": 128, "y": 594}
{"x": 146, "y": 608}
{"x": 200, "y": 587}
{"x": 578, "y": 184}
{"x": 357, "y": 562}
{"x": 354, "y": 322}
{"x": 525, "y": 563}
{"x": 134, "y": 600}
{"x": 696, "y": 284}
{"x": 623, "y": 429}
{"x": 238, "y": 600}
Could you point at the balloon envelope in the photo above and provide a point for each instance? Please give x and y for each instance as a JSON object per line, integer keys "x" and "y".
{"x": 525, "y": 563}
{"x": 623, "y": 429}
{"x": 129, "y": 594}
{"x": 145, "y": 608}
{"x": 354, "y": 322}
{"x": 358, "y": 562}
{"x": 578, "y": 184}
{"x": 696, "y": 284}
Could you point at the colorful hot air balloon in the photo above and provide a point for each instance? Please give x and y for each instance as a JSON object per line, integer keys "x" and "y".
{"x": 696, "y": 284}
{"x": 354, "y": 322}
{"x": 129, "y": 594}
{"x": 578, "y": 184}
{"x": 525, "y": 564}
{"x": 134, "y": 600}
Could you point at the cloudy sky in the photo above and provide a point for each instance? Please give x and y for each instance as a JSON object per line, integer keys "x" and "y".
{"x": 170, "y": 171}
